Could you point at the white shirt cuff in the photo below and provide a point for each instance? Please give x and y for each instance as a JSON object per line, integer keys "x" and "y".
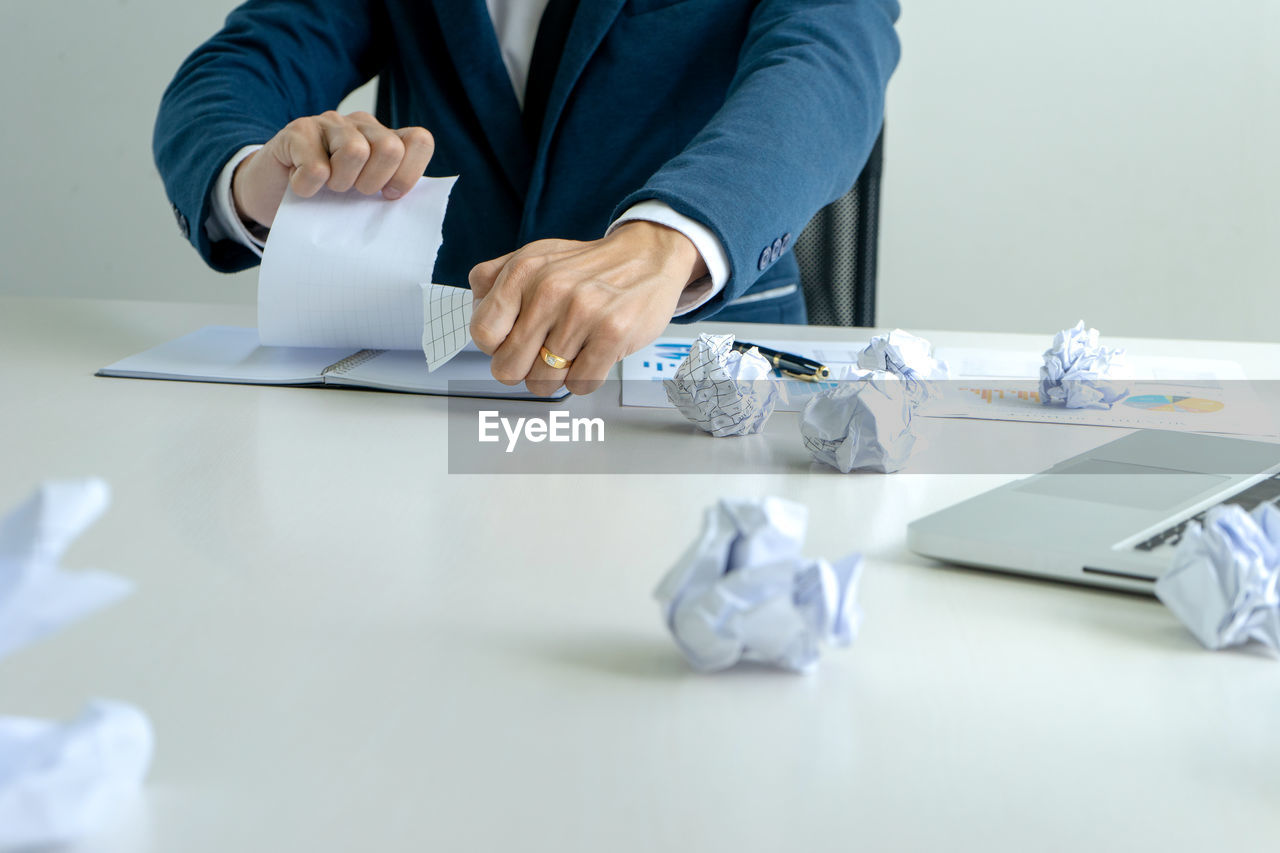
{"x": 223, "y": 222}
{"x": 707, "y": 244}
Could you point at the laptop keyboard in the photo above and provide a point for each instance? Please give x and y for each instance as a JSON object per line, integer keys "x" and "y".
{"x": 1265, "y": 491}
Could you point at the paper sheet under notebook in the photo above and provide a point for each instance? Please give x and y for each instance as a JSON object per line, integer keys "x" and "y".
{"x": 345, "y": 270}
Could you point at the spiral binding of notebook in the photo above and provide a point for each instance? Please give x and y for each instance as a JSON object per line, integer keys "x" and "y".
{"x": 352, "y": 361}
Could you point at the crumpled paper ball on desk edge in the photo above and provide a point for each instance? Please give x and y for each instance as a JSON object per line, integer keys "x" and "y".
{"x": 37, "y": 596}
{"x": 62, "y": 781}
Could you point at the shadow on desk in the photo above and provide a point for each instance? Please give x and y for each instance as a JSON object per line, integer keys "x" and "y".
{"x": 640, "y": 658}
{"x": 622, "y": 655}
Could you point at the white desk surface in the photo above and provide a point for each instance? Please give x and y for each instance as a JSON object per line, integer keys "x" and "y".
{"x": 344, "y": 648}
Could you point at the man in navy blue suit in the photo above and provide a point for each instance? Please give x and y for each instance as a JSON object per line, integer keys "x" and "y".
{"x": 622, "y": 162}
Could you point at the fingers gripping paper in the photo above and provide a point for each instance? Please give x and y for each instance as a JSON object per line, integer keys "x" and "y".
{"x": 345, "y": 270}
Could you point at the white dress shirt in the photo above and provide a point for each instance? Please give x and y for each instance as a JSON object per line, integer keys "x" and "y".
{"x": 515, "y": 22}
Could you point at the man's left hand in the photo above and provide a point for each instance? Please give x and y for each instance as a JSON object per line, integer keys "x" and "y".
{"x": 592, "y": 303}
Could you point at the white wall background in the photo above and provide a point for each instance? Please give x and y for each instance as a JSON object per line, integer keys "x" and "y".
{"x": 1114, "y": 160}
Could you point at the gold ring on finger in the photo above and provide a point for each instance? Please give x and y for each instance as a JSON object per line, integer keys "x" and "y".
{"x": 555, "y": 361}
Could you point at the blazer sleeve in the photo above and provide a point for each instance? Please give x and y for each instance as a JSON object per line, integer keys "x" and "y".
{"x": 272, "y": 62}
{"x": 799, "y": 120}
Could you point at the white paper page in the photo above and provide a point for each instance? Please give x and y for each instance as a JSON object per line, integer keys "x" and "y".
{"x": 222, "y": 353}
{"x": 344, "y": 269}
{"x": 467, "y": 375}
{"x": 447, "y": 329}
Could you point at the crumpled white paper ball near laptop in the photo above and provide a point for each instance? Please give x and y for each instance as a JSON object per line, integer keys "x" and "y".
{"x": 1225, "y": 581}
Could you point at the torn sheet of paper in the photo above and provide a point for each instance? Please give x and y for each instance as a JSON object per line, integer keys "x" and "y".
{"x": 1080, "y": 374}
{"x": 345, "y": 269}
{"x": 447, "y": 329}
{"x": 1223, "y": 584}
{"x": 721, "y": 390}
{"x": 863, "y": 423}
{"x": 61, "y": 782}
{"x": 37, "y": 597}
{"x": 744, "y": 592}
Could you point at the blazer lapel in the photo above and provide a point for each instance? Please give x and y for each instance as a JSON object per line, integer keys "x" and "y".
{"x": 592, "y": 21}
{"x": 473, "y": 46}
{"x": 590, "y": 24}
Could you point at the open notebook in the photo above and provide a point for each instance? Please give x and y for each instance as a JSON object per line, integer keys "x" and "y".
{"x": 342, "y": 301}
{"x": 232, "y": 354}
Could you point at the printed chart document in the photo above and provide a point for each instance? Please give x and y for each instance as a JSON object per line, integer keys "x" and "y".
{"x": 1170, "y": 392}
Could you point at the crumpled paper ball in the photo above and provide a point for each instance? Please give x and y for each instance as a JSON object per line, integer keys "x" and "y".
{"x": 1080, "y": 374}
{"x": 37, "y": 596}
{"x": 1223, "y": 582}
{"x": 863, "y": 423}
{"x": 721, "y": 390}
{"x": 744, "y": 592}
{"x": 904, "y": 354}
{"x": 63, "y": 781}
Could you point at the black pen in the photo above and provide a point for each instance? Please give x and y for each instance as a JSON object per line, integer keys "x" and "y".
{"x": 795, "y": 366}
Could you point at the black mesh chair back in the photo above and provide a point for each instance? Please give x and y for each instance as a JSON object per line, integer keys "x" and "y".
{"x": 837, "y": 252}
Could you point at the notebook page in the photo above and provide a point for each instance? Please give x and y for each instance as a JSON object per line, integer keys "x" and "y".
{"x": 448, "y": 322}
{"x": 467, "y": 375}
{"x": 343, "y": 269}
{"x": 227, "y": 354}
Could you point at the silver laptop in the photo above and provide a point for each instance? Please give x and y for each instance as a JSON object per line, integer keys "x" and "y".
{"x": 1110, "y": 517}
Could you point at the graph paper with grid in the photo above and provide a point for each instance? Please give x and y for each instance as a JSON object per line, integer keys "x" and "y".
{"x": 446, "y": 324}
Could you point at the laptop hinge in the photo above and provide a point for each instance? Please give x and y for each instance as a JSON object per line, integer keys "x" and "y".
{"x": 1090, "y": 570}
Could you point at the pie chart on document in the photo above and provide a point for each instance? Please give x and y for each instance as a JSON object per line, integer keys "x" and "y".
{"x": 1171, "y": 403}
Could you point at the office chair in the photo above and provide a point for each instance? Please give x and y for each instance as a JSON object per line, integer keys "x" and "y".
{"x": 837, "y": 252}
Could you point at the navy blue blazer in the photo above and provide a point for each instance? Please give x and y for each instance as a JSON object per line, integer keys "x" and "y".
{"x": 746, "y": 115}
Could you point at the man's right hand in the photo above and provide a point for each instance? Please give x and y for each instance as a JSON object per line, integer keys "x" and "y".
{"x": 334, "y": 151}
